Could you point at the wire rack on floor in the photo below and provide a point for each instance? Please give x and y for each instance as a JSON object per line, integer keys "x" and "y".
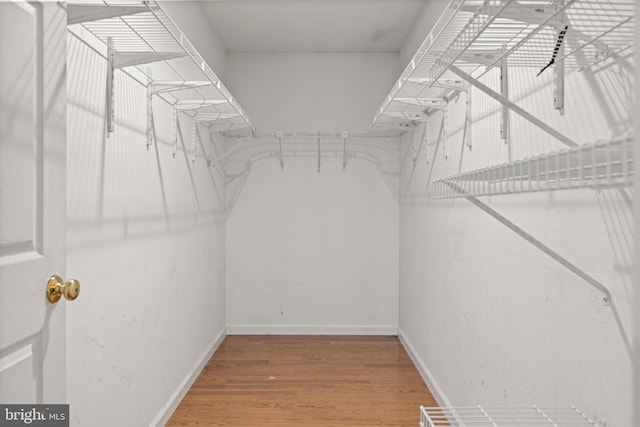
{"x": 478, "y": 416}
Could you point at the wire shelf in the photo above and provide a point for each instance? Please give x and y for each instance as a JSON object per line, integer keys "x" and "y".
{"x": 381, "y": 150}
{"x": 479, "y": 416}
{"x": 489, "y": 33}
{"x": 606, "y": 164}
{"x": 153, "y": 31}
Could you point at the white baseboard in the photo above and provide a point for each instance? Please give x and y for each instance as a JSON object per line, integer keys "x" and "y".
{"x": 426, "y": 375}
{"x": 176, "y": 397}
{"x": 311, "y": 330}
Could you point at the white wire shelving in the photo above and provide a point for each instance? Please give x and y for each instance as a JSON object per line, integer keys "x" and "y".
{"x": 143, "y": 36}
{"x": 476, "y": 34}
{"x": 479, "y": 416}
{"x": 380, "y": 149}
{"x": 604, "y": 164}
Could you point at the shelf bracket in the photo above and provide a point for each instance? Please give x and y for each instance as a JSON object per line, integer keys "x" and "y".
{"x": 194, "y": 136}
{"x": 535, "y": 242}
{"x": 196, "y": 104}
{"x": 414, "y": 152}
{"x": 558, "y": 85}
{"x": 174, "y": 132}
{"x": 81, "y": 13}
{"x": 174, "y": 86}
{"x": 513, "y": 107}
{"x": 425, "y": 140}
{"x": 149, "y": 113}
{"x": 558, "y": 70}
{"x": 345, "y": 135}
{"x": 468, "y": 123}
{"x": 318, "y": 152}
{"x": 109, "y": 109}
{"x": 455, "y": 84}
{"x": 445, "y": 134}
{"x": 435, "y": 103}
{"x": 504, "y": 112}
{"x": 210, "y": 158}
{"x": 279, "y": 135}
{"x": 129, "y": 59}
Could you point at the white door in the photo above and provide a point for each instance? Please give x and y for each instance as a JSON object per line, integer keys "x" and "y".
{"x": 32, "y": 201}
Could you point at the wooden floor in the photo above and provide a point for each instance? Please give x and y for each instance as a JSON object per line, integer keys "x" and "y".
{"x": 306, "y": 381}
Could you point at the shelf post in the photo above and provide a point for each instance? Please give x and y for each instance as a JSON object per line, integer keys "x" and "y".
{"x": 279, "y": 134}
{"x": 468, "y": 121}
{"x": 345, "y": 135}
{"x": 194, "y": 136}
{"x": 109, "y": 110}
{"x": 558, "y": 70}
{"x": 445, "y": 136}
{"x": 211, "y": 150}
{"x": 149, "y": 110}
{"x": 504, "y": 91}
{"x": 318, "y": 152}
{"x": 425, "y": 140}
{"x": 513, "y": 107}
{"x": 174, "y": 131}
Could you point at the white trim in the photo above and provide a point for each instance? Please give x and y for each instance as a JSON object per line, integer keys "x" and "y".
{"x": 176, "y": 397}
{"x": 426, "y": 375}
{"x": 311, "y": 330}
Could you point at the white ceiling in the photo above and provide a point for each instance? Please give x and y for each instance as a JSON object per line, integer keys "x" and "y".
{"x": 312, "y": 25}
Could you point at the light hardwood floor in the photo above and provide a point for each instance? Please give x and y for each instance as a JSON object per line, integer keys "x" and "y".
{"x": 306, "y": 381}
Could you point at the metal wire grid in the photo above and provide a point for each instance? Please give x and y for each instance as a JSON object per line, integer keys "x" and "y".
{"x": 443, "y": 33}
{"x": 525, "y": 35}
{"x": 601, "y": 165}
{"x": 380, "y": 150}
{"x": 154, "y": 31}
{"x": 475, "y": 33}
{"x": 478, "y": 416}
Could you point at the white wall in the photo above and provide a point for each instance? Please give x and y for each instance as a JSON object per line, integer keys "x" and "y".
{"x": 494, "y": 320}
{"x": 309, "y": 252}
{"x": 420, "y": 30}
{"x": 146, "y": 239}
{"x": 311, "y": 91}
{"x": 191, "y": 20}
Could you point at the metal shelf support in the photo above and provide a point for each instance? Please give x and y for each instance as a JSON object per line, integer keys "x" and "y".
{"x": 174, "y": 132}
{"x": 481, "y": 20}
{"x": 150, "y": 124}
{"x": 558, "y": 70}
{"x": 174, "y": 86}
{"x": 468, "y": 121}
{"x": 504, "y": 111}
{"x": 130, "y": 59}
{"x": 81, "y": 13}
{"x": 345, "y": 136}
{"x": 279, "y": 135}
{"x": 194, "y": 136}
{"x": 186, "y": 105}
{"x": 513, "y": 107}
{"x": 319, "y": 152}
{"x": 535, "y": 242}
{"x": 109, "y": 110}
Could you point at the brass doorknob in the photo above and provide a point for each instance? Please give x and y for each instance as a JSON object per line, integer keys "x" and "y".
{"x": 56, "y": 288}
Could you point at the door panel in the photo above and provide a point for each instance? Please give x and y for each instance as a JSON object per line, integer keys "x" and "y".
{"x": 32, "y": 200}
{"x": 21, "y": 144}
